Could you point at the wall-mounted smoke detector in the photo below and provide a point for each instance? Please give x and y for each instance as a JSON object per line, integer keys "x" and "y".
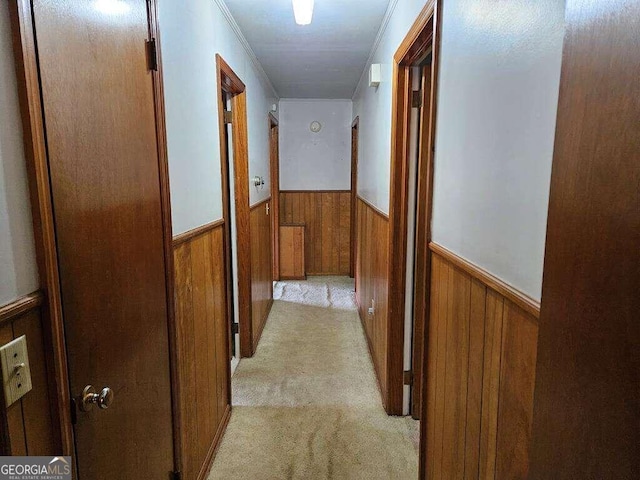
{"x": 375, "y": 74}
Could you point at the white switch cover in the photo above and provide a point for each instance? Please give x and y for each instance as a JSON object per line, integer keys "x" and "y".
{"x": 16, "y": 374}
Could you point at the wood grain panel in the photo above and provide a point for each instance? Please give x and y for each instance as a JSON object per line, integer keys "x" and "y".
{"x": 261, "y": 269}
{"x": 587, "y": 397}
{"x": 201, "y": 316}
{"x": 327, "y": 217}
{"x": 292, "y": 252}
{"x": 28, "y": 422}
{"x": 480, "y": 376}
{"x": 371, "y": 284}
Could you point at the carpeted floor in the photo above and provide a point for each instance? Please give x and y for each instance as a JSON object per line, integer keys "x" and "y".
{"x": 307, "y": 405}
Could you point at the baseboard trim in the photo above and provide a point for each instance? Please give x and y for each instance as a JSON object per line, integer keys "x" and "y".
{"x": 215, "y": 445}
{"x": 263, "y": 322}
{"x": 520, "y": 299}
{"x": 373, "y": 362}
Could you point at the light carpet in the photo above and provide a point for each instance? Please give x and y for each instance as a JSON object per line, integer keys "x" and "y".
{"x": 307, "y": 405}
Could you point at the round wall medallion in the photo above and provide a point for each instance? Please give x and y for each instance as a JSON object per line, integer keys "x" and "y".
{"x": 315, "y": 126}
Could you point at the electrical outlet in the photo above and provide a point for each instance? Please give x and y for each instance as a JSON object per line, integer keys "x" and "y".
{"x": 16, "y": 374}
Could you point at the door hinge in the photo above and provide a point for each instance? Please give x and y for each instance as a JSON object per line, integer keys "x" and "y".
{"x": 416, "y": 99}
{"x": 175, "y": 476}
{"x": 235, "y": 328}
{"x": 408, "y": 377}
{"x": 228, "y": 116}
{"x": 152, "y": 55}
{"x": 74, "y": 411}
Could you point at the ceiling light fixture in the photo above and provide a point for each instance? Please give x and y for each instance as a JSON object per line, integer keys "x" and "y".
{"x": 112, "y": 7}
{"x": 303, "y": 11}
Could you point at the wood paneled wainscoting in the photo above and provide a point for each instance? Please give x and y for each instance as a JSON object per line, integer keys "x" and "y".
{"x": 326, "y": 215}
{"x": 26, "y": 426}
{"x": 203, "y": 345}
{"x": 481, "y": 360}
{"x": 261, "y": 269}
{"x": 372, "y": 259}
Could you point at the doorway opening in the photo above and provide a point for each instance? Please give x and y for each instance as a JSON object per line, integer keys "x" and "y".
{"x": 234, "y": 163}
{"x": 274, "y": 168}
{"x": 354, "y": 193}
{"x": 414, "y": 64}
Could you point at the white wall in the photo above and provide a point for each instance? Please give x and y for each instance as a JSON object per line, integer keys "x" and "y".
{"x": 18, "y": 270}
{"x": 497, "y": 100}
{"x": 192, "y": 33}
{"x": 497, "y": 107}
{"x": 315, "y": 161}
{"x": 373, "y": 106}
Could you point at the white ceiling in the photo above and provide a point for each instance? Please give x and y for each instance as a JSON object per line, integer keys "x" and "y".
{"x": 321, "y": 60}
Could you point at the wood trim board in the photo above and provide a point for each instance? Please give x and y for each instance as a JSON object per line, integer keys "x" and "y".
{"x": 229, "y": 82}
{"x": 196, "y": 232}
{"x": 28, "y": 83}
{"x": 520, "y": 299}
{"x": 418, "y": 42}
{"x": 375, "y": 209}
{"x": 165, "y": 199}
{"x": 20, "y": 306}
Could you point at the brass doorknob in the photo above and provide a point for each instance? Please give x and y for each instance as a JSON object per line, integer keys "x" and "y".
{"x": 91, "y": 398}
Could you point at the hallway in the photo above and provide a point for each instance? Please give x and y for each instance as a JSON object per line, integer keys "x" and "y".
{"x": 307, "y": 404}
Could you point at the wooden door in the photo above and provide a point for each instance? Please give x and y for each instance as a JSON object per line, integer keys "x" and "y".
{"x": 422, "y": 265}
{"x": 99, "y": 112}
{"x": 586, "y": 421}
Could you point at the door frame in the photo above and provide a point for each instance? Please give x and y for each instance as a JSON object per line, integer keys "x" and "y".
{"x": 37, "y": 161}
{"x": 355, "y": 132}
{"x": 422, "y": 256}
{"x": 274, "y": 171}
{"x": 229, "y": 82}
{"x": 423, "y": 37}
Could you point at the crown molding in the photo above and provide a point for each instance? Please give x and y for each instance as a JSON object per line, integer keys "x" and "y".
{"x": 376, "y": 43}
{"x": 243, "y": 41}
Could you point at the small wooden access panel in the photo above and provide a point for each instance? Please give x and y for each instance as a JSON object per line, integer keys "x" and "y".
{"x": 292, "y": 264}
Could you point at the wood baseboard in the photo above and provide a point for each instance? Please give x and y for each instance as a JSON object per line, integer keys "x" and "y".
{"x": 371, "y": 357}
{"x": 263, "y": 322}
{"x": 215, "y": 445}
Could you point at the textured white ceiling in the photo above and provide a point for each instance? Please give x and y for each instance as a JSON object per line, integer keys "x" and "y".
{"x": 321, "y": 60}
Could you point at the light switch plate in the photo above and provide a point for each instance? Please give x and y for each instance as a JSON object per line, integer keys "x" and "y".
{"x": 16, "y": 374}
